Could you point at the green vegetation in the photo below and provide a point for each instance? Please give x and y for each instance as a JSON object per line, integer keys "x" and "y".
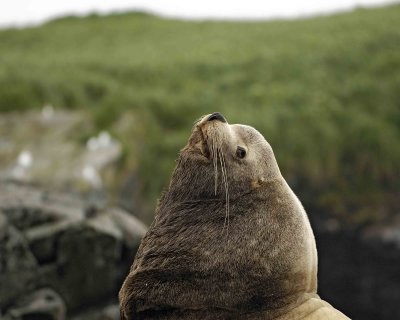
{"x": 324, "y": 91}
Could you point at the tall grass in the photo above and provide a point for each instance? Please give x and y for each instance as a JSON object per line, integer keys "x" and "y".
{"x": 324, "y": 91}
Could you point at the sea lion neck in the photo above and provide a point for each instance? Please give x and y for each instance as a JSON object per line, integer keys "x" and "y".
{"x": 249, "y": 269}
{"x": 191, "y": 180}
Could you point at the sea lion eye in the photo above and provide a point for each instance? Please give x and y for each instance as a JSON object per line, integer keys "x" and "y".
{"x": 240, "y": 152}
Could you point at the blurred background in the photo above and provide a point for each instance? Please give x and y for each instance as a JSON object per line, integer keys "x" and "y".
{"x": 97, "y": 99}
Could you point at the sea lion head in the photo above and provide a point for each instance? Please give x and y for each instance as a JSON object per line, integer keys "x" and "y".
{"x": 221, "y": 157}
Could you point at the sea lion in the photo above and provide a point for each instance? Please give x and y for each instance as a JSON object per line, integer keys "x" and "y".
{"x": 230, "y": 240}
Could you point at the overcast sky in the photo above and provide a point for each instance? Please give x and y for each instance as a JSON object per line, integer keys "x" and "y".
{"x": 28, "y": 12}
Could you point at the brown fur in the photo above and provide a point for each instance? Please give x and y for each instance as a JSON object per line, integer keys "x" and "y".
{"x": 236, "y": 249}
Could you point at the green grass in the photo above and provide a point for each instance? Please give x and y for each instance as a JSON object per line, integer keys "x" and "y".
{"x": 324, "y": 91}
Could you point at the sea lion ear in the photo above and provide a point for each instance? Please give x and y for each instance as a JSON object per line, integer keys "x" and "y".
{"x": 258, "y": 182}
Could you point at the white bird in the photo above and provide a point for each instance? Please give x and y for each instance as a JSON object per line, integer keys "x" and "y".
{"x": 91, "y": 175}
{"x": 25, "y": 159}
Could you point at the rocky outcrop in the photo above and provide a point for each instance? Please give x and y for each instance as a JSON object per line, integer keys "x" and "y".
{"x": 42, "y": 304}
{"x": 56, "y": 245}
{"x": 359, "y": 269}
{"x": 63, "y": 258}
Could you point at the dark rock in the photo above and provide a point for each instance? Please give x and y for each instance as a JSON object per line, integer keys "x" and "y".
{"x": 84, "y": 258}
{"x": 360, "y": 270}
{"x": 43, "y": 304}
{"x": 110, "y": 312}
{"x": 18, "y": 266}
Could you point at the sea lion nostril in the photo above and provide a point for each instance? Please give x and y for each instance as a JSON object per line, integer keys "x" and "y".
{"x": 216, "y": 116}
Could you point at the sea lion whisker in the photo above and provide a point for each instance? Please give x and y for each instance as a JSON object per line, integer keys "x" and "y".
{"x": 215, "y": 163}
{"x": 227, "y": 195}
{"x": 215, "y": 169}
{"x": 225, "y": 180}
{"x": 211, "y": 147}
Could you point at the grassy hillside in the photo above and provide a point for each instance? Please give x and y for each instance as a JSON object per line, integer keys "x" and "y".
{"x": 324, "y": 91}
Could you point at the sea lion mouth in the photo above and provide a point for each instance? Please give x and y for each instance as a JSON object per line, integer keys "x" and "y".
{"x": 205, "y": 133}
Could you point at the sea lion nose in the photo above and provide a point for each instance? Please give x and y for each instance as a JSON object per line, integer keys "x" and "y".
{"x": 216, "y": 116}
